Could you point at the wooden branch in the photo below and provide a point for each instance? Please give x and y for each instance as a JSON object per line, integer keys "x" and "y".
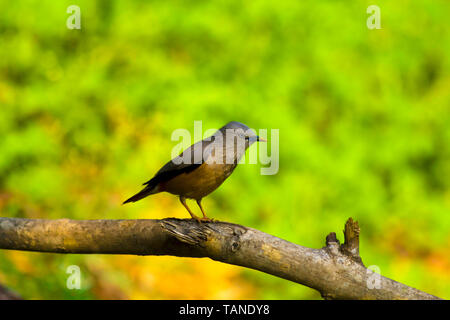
{"x": 7, "y": 294}
{"x": 335, "y": 270}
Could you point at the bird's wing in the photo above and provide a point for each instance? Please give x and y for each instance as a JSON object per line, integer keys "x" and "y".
{"x": 189, "y": 160}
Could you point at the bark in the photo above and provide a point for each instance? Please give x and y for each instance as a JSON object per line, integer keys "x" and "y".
{"x": 335, "y": 270}
{"x": 7, "y": 294}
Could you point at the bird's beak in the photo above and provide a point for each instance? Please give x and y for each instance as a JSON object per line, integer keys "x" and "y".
{"x": 260, "y": 139}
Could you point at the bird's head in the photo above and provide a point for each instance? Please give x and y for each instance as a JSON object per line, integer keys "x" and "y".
{"x": 235, "y": 138}
{"x": 241, "y": 132}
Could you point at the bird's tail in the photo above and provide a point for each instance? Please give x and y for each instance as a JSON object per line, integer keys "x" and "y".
{"x": 148, "y": 190}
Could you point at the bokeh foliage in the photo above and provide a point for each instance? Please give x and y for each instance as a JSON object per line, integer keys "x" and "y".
{"x": 364, "y": 117}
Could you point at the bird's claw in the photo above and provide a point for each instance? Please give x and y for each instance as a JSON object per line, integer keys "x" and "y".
{"x": 204, "y": 219}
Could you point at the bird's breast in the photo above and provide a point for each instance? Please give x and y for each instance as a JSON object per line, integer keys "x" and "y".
{"x": 201, "y": 181}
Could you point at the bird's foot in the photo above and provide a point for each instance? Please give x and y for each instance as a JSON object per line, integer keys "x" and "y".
{"x": 204, "y": 219}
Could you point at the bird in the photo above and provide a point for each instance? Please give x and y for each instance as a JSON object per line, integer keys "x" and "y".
{"x": 201, "y": 168}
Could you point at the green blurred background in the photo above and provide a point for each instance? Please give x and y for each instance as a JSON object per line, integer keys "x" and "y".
{"x": 364, "y": 117}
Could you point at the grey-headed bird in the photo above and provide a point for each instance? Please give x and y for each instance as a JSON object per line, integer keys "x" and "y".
{"x": 203, "y": 167}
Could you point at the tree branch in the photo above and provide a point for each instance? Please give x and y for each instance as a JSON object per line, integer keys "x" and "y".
{"x": 7, "y": 294}
{"x": 335, "y": 270}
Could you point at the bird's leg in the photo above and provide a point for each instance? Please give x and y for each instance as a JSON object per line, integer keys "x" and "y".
{"x": 183, "y": 202}
{"x": 205, "y": 218}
